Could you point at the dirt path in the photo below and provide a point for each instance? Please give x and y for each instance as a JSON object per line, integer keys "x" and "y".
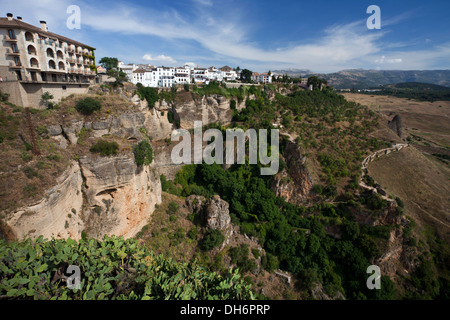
{"x": 376, "y": 155}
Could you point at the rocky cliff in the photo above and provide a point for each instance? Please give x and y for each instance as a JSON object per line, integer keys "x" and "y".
{"x": 58, "y": 214}
{"x": 294, "y": 183}
{"x": 119, "y": 196}
{"x": 97, "y": 195}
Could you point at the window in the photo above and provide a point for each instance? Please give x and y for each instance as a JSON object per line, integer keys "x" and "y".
{"x": 19, "y": 75}
{"x": 31, "y": 50}
{"x": 29, "y": 36}
{"x": 14, "y": 48}
{"x": 17, "y": 61}
{"x": 33, "y": 76}
{"x": 12, "y": 34}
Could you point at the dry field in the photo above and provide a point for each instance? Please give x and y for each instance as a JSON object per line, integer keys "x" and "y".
{"x": 414, "y": 174}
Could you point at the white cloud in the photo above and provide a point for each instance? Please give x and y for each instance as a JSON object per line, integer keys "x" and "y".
{"x": 160, "y": 58}
{"x": 383, "y": 60}
{"x": 225, "y": 35}
{"x": 190, "y": 64}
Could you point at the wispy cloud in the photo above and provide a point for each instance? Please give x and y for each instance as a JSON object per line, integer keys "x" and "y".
{"x": 227, "y": 34}
{"x": 160, "y": 58}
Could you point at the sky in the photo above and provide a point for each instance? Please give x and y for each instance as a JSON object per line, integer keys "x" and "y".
{"x": 260, "y": 35}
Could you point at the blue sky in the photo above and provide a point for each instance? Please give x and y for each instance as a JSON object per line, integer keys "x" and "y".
{"x": 322, "y": 36}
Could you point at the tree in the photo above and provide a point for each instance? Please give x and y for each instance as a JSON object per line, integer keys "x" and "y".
{"x": 109, "y": 63}
{"x": 212, "y": 240}
{"x": 113, "y": 70}
{"x": 143, "y": 153}
{"x": 88, "y": 105}
{"x": 46, "y": 97}
{"x": 246, "y": 75}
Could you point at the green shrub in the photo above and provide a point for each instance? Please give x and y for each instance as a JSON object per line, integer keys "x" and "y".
{"x": 212, "y": 239}
{"x": 30, "y": 172}
{"x": 400, "y": 202}
{"x": 269, "y": 262}
{"x": 170, "y": 117}
{"x": 172, "y": 208}
{"x": 26, "y": 156}
{"x": 193, "y": 233}
{"x": 105, "y": 148}
{"x": 143, "y": 153}
{"x": 88, "y": 106}
{"x": 113, "y": 268}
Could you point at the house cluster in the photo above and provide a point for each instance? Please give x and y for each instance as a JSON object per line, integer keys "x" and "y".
{"x": 166, "y": 77}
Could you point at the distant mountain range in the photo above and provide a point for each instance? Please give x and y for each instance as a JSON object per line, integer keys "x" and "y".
{"x": 363, "y": 79}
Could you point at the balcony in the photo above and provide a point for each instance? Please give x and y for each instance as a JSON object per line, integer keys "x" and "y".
{"x": 34, "y": 67}
{"x": 13, "y": 65}
{"x": 9, "y": 39}
{"x": 11, "y": 52}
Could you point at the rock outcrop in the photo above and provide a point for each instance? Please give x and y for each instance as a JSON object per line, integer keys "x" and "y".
{"x": 396, "y": 125}
{"x": 58, "y": 214}
{"x": 99, "y": 195}
{"x": 294, "y": 183}
{"x": 212, "y": 109}
{"x": 119, "y": 196}
{"x": 217, "y": 214}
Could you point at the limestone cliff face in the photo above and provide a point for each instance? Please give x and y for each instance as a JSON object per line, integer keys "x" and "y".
{"x": 98, "y": 195}
{"x": 212, "y": 109}
{"x": 294, "y": 183}
{"x": 119, "y": 196}
{"x": 57, "y": 215}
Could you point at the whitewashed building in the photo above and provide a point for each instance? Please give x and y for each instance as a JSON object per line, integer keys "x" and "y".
{"x": 128, "y": 69}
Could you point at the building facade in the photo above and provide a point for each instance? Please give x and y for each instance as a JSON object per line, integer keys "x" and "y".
{"x": 34, "y": 60}
{"x": 166, "y": 77}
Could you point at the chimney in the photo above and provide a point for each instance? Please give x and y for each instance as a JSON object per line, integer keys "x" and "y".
{"x": 19, "y": 18}
{"x": 10, "y": 16}
{"x": 43, "y": 25}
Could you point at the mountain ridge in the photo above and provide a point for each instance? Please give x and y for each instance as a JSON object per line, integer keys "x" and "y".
{"x": 369, "y": 78}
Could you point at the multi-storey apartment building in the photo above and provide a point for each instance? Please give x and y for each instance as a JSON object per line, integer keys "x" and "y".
{"x": 164, "y": 77}
{"x": 261, "y": 77}
{"x": 34, "y": 60}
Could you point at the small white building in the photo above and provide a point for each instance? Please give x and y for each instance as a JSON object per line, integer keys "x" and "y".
{"x": 128, "y": 69}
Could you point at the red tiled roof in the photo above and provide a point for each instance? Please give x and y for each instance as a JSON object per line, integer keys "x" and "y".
{"x": 14, "y": 23}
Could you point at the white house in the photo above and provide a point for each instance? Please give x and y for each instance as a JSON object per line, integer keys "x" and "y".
{"x": 228, "y": 73}
{"x": 128, "y": 69}
{"x": 164, "y": 77}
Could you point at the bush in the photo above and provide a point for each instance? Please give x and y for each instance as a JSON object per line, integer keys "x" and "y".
{"x": 149, "y": 94}
{"x": 143, "y": 153}
{"x": 269, "y": 262}
{"x": 170, "y": 117}
{"x": 88, "y": 106}
{"x": 113, "y": 268}
{"x": 192, "y": 234}
{"x": 172, "y": 208}
{"x": 105, "y": 148}
{"x": 212, "y": 240}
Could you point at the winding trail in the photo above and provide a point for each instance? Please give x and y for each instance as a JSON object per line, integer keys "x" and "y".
{"x": 376, "y": 155}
